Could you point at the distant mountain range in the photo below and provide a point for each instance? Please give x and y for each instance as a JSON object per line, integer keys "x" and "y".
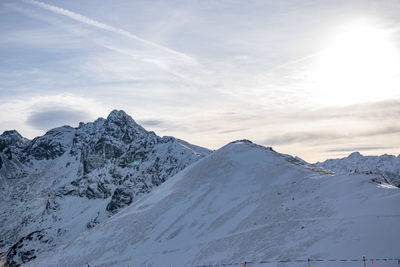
{"x": 80, "y": 195}
{"x": 386, "y": 166}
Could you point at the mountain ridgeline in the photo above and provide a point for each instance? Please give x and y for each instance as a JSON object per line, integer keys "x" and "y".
{"x": 110, "y": 193}
{"x": 58, "y": 185}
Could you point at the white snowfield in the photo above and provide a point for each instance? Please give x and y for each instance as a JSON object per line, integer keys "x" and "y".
{"x": 243, "y": 203}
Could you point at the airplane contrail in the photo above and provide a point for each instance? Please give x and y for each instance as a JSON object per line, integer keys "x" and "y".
{"x": 71, "y": 29}
{"x": 106, "y": 27}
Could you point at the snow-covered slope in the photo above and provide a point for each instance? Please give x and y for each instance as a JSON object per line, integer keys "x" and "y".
{"x": 387, "y": 166}
{"x": 242, "y": 203}
{"x": 56, "y": 186}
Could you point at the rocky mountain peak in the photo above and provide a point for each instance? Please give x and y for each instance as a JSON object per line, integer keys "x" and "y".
{"x": 355, "y": 155}
{"x": 121, "y": 126}
{"x": 119, "y": 116}
{"x": 244, "y": 141}
{"x": 93, "y": 170}
{"x": 51, "y": 145}
{"x": 12, "y": 137}
{"x": 59, "y": 130}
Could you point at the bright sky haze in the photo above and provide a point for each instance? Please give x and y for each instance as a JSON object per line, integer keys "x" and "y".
{"x": 316, "y": 79}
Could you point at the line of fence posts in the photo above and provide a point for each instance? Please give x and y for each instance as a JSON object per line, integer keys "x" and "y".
{"x": 309, "y": 262}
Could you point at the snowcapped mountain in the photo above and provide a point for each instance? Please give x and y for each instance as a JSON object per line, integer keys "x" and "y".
{"x": 387, "y": 166}
{"x": 58, "y": 185}
{"x": 245, "y": 202}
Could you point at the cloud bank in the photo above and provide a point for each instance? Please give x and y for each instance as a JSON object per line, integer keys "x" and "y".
{"x": 52, "y": 117}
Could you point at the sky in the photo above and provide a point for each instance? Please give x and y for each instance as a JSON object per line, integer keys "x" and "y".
{"x": 317, "y": 79}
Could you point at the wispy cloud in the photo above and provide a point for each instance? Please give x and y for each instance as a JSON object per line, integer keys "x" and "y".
{"x": 328, "y": 138}
{"x": 358, "y": 148}
{"x": 303, "y": 137}
{"x": 151, "y": 122}
{"x": 32, "y": 13}
{"x": 160, "y": 63}
{"x": 371, "y": 127}
{"x": 176, "y": 64}
{"x": 78, "y": 17}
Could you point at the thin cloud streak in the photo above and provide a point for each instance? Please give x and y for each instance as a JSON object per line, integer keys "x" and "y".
{"x": 302, "y": 137}
{"x": 351, "y": 149}
{"x": 326, "y": 137}
{"x": 33, "y": 14}
{"x": 159, "y": 63}
{"x": 151, "y": 122}
{"x": 106, "y": 27}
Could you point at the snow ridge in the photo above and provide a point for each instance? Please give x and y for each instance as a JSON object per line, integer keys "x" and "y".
{"x": 244, "y": 202}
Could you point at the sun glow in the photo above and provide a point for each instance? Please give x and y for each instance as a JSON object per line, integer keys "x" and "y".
{"x": 360, "y": 63}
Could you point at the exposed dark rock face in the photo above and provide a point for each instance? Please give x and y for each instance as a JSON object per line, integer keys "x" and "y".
{"x": 121, "y": 198}
{"x": 8, "y": 153}
{"x": 93, "y": 222}
{"x": 3, "y": 145}
{"x": 74, "y": 178}
{"x": 24, "y": 249}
